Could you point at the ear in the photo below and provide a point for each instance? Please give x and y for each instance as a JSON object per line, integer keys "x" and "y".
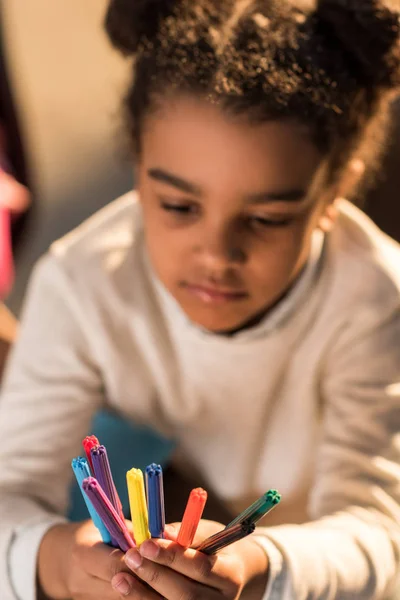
{"x": 328, "y": 217}
{"x": 351, "y": 178}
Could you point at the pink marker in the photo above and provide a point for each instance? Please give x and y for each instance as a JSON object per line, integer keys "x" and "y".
{"x": 6, "y": 257}
{"x": 107, "y": 513}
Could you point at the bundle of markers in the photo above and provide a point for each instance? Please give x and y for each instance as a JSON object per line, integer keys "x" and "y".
{"x": 146, "y": 500}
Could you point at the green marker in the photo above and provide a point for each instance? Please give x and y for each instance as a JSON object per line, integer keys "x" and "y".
{"x": 258, "y": 509}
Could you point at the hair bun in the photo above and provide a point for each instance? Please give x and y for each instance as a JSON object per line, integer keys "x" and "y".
{"x": 370, "y": 32}
{"x": 129, "y": 22}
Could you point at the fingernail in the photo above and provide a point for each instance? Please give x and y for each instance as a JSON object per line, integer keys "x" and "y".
{"x": 133, "y": 559}
{"x": 149, "y": 550}
{"x": 123, "y": 587}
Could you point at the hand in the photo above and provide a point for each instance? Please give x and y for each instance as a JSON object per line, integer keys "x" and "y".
{"x": 74, "y": 563}
{"x": 176, "y": 573}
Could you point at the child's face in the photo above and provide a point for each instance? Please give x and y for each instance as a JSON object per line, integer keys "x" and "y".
{"x": 228, "y": 215}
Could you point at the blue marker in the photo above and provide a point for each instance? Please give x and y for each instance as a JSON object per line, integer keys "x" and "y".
{"x": 81, "y": 470}
{"x": 155, "y": 500}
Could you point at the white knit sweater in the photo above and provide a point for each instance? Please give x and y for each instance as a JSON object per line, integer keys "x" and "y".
{"x": 306, "y": 402}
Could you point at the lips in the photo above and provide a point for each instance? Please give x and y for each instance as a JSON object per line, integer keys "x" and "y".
{"x": 215, "y": 295}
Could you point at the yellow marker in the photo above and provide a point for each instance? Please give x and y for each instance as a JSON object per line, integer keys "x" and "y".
{"x": 137, "y": 502}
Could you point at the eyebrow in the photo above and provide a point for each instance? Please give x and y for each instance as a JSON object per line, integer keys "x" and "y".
{"x": 175, "y": 181}
{"x": 294, "y": 195}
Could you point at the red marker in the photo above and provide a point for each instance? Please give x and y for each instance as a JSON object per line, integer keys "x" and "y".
{"x": 88, "y": 443}
{"x": 191, "y": 518}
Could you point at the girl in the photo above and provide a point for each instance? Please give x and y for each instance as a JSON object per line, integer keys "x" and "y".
{"x": 236, "y": 302}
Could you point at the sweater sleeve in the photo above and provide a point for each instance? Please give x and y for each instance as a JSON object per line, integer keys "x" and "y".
{"x": 50, "y": 393}
{"x": 351, "y": 546}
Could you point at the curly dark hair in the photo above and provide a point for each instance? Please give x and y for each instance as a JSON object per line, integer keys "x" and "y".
{"x": 333, "y": 65}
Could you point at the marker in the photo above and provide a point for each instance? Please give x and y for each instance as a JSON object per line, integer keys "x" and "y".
{"x": 116, "y": 526}
{"x": 88, "y": 443}
{"x": 137, "y": 502}
{"x": 102, "y": 472}
{"x": 81, "y": 470}
{"x": 191, "y": 518}
{"x": 155, "y": 500}
{"x": 258, "y": 509}
{"x": 226, "y": 537}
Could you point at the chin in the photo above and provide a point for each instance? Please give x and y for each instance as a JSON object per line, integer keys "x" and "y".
{"x": 216, "y": 323}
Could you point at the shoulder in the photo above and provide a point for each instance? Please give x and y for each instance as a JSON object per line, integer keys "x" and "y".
{"x": 98, "y": 262}
{"x": 102, "y": 244}
{"x": 363, "y": 264}
{"x": 111, "y": 228}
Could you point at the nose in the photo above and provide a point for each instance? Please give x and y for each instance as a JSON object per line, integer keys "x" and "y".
{"x": 222, "y": 248}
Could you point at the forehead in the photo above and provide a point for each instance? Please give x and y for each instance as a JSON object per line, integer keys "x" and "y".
{"x": 198, "y": 141}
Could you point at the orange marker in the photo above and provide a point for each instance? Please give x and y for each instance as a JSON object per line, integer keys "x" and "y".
{"x": 88, "y": 443}
{"x": 191, "y": 518}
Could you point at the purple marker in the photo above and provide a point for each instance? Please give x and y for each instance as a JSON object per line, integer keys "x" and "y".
{"x": 102, "y": 472}
{"x": 111, "y": 519}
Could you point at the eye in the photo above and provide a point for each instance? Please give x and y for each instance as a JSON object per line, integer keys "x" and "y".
{"x": 263, "y": 222}
{"x": 181, "y": 208}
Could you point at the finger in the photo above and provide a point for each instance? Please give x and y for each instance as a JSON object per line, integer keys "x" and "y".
{"x": 219, "y": 572}
{"x": 101, "y": 561}
{"x": 171, "y": 531}
{"x": 205, "y": 529}
{"x": 171, "y": 582}
{"x": 94, "y": 589}
{"x": 128, "y": 586}
{"x": 186, "y": 561}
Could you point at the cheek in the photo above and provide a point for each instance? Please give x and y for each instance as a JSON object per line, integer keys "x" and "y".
{"x": 167, "y": 242}
{"x": 299, "y": 245}
{"x": 168, "y": 249}
{"x": 279, "y": 260}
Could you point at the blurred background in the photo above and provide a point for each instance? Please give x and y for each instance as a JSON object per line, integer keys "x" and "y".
{"x": 65, "y": 83}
